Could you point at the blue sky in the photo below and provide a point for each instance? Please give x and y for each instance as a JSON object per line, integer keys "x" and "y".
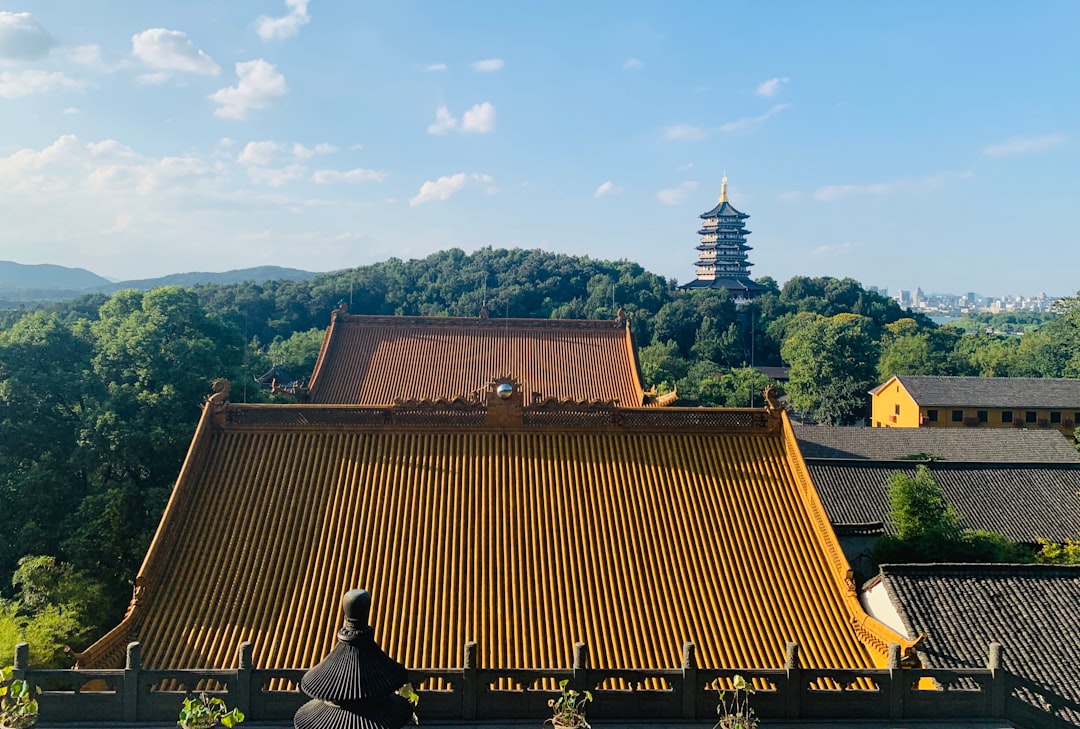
{"x": 903, "y": 144}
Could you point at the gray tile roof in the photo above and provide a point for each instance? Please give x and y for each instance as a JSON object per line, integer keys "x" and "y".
{"x": 993, "y": 392}
{"x": 983, "y": 445}
{"x": 1020, "y": 501}
{"x": 961, "y": 608}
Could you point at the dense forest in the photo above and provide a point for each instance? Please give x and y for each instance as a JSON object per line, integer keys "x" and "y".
{"x": 99, "y": 396}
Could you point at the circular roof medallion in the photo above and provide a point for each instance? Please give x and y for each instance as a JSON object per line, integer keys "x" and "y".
{"x": 504, "y": 391}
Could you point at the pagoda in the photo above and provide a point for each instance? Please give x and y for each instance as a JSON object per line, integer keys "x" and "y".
{"x": 722, "y": 262}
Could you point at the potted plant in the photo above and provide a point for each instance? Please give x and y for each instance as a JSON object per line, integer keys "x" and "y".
{"x": 18, "y": 702}
{"x": 568, "y": 708}
{"x": 204, "y": 712}
{"x": 734, "y": 709}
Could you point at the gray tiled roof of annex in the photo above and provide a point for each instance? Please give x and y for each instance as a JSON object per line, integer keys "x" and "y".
{"x": 1022, "y": 501}
{"x": 962, "y": 608}
{"x": 971, "y": 445}
{"x": 994, "y": 392}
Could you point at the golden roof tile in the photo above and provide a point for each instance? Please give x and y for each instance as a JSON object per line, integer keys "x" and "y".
{"x": 633, "y": 530}
{"x": 381, "y": 359}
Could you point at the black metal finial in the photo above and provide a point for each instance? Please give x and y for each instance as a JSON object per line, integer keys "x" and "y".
{"x": 357, "y": 608}
{"x": 355, "y": 686}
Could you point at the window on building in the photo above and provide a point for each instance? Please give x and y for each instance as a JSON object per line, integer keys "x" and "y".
{"x": 983, "y": 416}
{"x": 931, "y": 415}
{"x": 957, "y": 416}
{"x": 1029, "y": 416}
{"x": 1006, "y": 416}
{"x": 896, "y": 408}
{"x": 1055, "y": 417}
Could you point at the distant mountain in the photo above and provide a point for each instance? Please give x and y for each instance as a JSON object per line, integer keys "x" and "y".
{"x": 258, "y": 275}
{"x": 22, "y": 283}
{"x": 47, "y": 276}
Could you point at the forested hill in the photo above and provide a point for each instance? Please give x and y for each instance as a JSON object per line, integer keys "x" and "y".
{"x": 99, "y": 395}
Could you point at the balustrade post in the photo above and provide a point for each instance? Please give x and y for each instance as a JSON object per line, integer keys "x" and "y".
{"x": 240, "y": 690}
{"x": 22, "y": 661}
{"x": 581, "y": 668}
{"x": 999, "y": 690}
{"x": 469, "y": 685}
{"x": 898, "y": 682}
{"x": 795, "y": 687}
{"x": 132, "y": 669}
{"x": 689, "y": 681}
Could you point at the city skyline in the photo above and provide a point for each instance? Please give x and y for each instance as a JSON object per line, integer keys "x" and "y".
{"x": 926, "y": 143}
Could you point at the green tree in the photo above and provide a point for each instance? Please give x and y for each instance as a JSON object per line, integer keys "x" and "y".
{"x": 662, "y": 366}
{"x": 833, "y": 365}
{"x": 299, "y": 352}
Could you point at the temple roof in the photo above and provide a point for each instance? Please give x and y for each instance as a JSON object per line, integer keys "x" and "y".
{"x": 1021, "y": 501}
{"x": 380, "y": 359}
{"x": 972, "y": 445}
{"x": 962, "y": 608}
{"x": 722, "y": 209}
{"x": 991, "y": 392}
{"x": 524, "y": 528}
{"x": 731, "y": 284}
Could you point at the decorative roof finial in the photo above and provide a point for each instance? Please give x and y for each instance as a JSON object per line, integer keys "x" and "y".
{"x": 723, "y": 188}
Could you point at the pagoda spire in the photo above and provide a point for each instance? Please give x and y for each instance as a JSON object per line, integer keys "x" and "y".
{"x": 723, "y": 188}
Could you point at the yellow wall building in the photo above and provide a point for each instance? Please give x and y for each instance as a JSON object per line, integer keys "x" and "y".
{"x": 910, "y": 401}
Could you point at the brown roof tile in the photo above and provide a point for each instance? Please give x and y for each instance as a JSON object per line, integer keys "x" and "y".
{"x": 377, "y": 360}
{"x": 646, "y": 530}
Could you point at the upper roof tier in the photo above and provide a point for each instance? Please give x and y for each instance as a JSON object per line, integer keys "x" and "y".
{"x": 522, "y": 527}
{"x": 375, "y": 360}
{"x": 723, "y": 209}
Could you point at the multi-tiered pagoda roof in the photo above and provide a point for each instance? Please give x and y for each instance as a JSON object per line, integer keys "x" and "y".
{"x": 722, "y": 254}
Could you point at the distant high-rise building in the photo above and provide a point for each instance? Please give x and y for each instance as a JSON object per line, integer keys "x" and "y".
{"x": 722, "y": 259}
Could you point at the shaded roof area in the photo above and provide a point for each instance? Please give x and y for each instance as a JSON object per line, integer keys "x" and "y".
{"x": 992, "y": 392}
{"x": 380, "y": 359}
{"x": 723, "y": 209}
{"x": 731, "y": 284}
{"x": 1030, "y": 609}
{"x": 522, "y": 528}
{"x": 1021, "y": 501}
{"x": 983, "y": 445}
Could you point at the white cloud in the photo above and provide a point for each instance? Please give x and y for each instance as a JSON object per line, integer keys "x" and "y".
{"x": 752, "y": 122}
{"x": 771, "y": 87}
{"x": 833, "y": 193}
{"x": 606, "y": 188}
{"x": 171, "y": 50}
{"x": 259, "y": 86}
{"x": 276, "y": 177}
{"x": 479, "y": 119}
{"x": 151, "y": 79}
{"x": 446, "y": 186}
{"x": 685, "y": 133}
{"x": 301, "y": 152}
{"x": 832, "y": 250}
{"x": 72, "y": 111}
{"x": 676, "y": 195}
{"x": 14, "y": 84}
{"x": 258, "y": 154}
{"x": 435, "y": 67}
{"x": 286, "y": 26}
{"x": 686, "y": 167}
{"x": 1014, "y": 146}
{"x": 326, "y": 177}
{"x": 22, "y": 37}
{"x": 89, "y": 55}
{"x": 632, "y": 64}
{"x": 443, "y": 122}
{"x": 487, "y": 65}
{"x": 791, "y": 196}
